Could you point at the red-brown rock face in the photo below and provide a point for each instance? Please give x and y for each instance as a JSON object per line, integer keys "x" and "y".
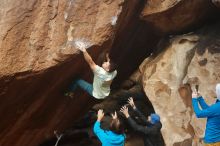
{"x": 171, "y": 16}
{"x": 38, "y": 62}
{"x": 33, "y": 33}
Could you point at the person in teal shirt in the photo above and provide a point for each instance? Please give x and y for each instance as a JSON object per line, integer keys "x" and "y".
{"x": 212, "y": 113}
{"x": 112, "y": 137}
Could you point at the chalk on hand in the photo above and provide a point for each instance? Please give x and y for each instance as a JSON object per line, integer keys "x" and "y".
{"x": 81, "y": 44}
{"x": 114, "y": 20}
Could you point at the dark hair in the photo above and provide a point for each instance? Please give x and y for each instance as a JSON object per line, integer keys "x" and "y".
{"x": 103, "y": 58}
{"x": 116, "y": 126}
{"x": 113, "y": 66}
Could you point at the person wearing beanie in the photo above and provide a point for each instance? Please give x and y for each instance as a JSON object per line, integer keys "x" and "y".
{"x": 212, "y": 113}
{"x": 155, "y": 118}
{"x": 150, "y": 131}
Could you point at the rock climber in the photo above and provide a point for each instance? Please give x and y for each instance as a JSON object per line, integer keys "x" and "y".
{"x": 212, "y": 113}
{"x": 103, "y": 77}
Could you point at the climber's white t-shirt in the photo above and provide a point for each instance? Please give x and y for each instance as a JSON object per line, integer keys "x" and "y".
{"x": 102, "y": 82}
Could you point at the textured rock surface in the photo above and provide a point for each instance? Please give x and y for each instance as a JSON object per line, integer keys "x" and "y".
{"x": 171, "y": 16}
{"x": 216, "y": 2}
{"x": 193, "y": 59}
{"x": 33, "y": 32}
{"x": 38, "y": 62}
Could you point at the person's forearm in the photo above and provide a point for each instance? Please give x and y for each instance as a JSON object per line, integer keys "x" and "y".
{"x": 196, "y": 108}
{"x": 141, "y": 115}
{"x": 96, "y": 127}
{"x": 87, "y": 57}
{"x": 127, "y": 115}
{"x": 136, "y": 127}
{"x": 202, "y": 102}
{"x": 134, "y": 107}
{"x": 132, "y": 123}
{"x": 89, "y": 60}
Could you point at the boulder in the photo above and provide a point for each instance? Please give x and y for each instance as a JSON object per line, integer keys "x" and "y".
{"x": 38, "y": 62}
{"x": 189, "y": 60}
{"x": 172, "y": 16}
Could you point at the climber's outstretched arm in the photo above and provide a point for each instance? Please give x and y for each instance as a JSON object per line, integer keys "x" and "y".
{"x": 88, "y": 59}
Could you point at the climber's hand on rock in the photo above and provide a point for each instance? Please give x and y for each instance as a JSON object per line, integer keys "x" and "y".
{"x": 124, "y": 110}
{"x": 194, "y": 94}
{"x": 114, "y": 116}
{"x": 82, "y": 49}
{"x": 131, "y": 102}
{"x": 100, "y": 115}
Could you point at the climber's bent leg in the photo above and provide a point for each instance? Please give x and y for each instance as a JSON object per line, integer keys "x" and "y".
{"x": 83, "y": 85}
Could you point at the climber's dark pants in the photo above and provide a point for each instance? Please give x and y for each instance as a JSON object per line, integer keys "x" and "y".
{"x": 83, "y": 85}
